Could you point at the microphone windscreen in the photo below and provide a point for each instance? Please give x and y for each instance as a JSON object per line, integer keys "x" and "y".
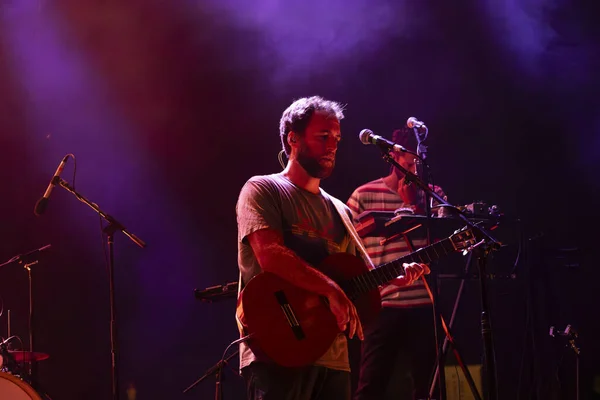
{"x": 364, "y": 136}
{"x": 40, "y": 206}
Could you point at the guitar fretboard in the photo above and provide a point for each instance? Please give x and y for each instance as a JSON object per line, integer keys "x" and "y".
{"x": 384, "y": 273}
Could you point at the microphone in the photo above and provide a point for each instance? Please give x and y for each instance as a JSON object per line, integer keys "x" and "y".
{"x": 412, "y": 122}
{"x": 217, "y": 292}
{"x": 42, "y": 203}
{"x": 367, "y": 136}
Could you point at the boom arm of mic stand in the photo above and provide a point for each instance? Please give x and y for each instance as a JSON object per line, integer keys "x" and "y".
{"x": 110, "y": 219}
{"x": 26, "y": 257}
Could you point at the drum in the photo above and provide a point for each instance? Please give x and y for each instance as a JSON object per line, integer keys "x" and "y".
{"x": 13, "y": 388}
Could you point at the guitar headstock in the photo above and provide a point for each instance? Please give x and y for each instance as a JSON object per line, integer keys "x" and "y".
{"x": 463, "y": 239}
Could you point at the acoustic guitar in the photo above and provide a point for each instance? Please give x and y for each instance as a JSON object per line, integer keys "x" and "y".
{"x": 295, "y": 327}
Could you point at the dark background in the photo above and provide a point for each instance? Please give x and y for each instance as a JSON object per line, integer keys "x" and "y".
{"x": 169, "y": 107}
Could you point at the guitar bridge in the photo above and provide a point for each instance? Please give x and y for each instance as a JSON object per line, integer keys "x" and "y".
{"x": 290, "y": 315}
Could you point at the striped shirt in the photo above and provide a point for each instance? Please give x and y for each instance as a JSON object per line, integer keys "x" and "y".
{"x": 377, "y": 196}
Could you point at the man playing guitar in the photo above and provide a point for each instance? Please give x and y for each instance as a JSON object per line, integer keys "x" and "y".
{"x": 287, "y": 226}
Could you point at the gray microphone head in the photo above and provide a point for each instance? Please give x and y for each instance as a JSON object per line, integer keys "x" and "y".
{"x": 412, "y": 122}
{"x": 364, "y": 136}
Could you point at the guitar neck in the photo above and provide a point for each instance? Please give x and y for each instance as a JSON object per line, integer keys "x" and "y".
{"x": 384, "y": 273}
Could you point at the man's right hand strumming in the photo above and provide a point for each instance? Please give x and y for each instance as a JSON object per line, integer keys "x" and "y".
{"x": 271, "y": 254}
{"x": 345, "y": 313}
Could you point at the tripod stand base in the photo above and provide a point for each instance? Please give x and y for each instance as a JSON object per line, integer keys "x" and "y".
{"x": 216, "y": 370}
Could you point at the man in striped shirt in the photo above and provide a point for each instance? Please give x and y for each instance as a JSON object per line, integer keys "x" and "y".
{"x": 405, "y": 325}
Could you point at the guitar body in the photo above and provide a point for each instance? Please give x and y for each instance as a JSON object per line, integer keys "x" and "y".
{"x": 295, "y": 327}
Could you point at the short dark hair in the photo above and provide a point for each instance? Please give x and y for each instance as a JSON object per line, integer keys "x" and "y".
{"x": 296, "y": 117}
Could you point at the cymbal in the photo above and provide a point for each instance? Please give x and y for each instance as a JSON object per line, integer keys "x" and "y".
{"x": 28, "y": 356}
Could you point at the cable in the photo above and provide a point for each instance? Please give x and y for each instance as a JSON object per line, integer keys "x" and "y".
{"x": 104, "y": 244}
{"x": 280, "y": 158}
{"x": 219, "y": 370}
{"x": 237, "y": 341}
{"x": 74, "y": 168}
{"x": 418, "y": 135}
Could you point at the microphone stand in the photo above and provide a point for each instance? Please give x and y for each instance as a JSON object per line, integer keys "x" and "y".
{"x": 423, "y": 173}
{"x": 112, "y": 227}
{"x": 485, "y": 245}
{"x": 217, "y": 371}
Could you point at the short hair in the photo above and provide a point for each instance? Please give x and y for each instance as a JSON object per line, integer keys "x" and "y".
{"x": 297, "y": 116}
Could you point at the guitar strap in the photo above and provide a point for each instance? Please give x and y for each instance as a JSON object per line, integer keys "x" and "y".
{"x": 343, "y": 212}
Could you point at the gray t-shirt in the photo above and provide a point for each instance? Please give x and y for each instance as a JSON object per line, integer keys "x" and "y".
{"x": 311, "y": 227}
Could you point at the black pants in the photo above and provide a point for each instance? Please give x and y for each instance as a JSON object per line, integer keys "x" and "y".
{"x": 398, "y": 355}
{"x": 272, "y": 382}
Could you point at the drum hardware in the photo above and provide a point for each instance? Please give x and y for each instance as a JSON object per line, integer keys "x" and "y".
{"x": 28, "y": 356}
{"x": 27, "y": 261}
{"x": 14, "y": 388}
{"x": 7, "y": 362}
{"x": 15, "y": 381}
